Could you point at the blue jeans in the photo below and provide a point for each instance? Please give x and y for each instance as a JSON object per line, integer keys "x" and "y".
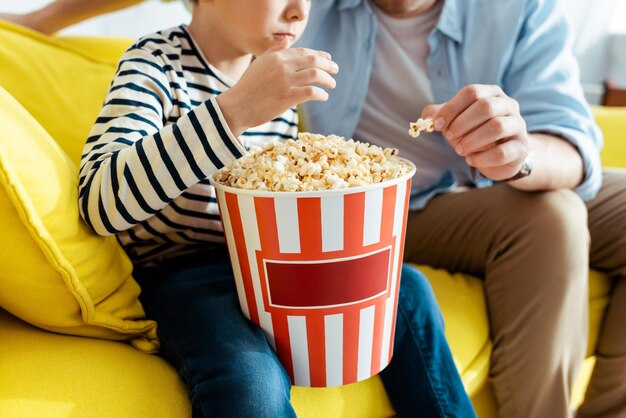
{"x": 232, "y": 371}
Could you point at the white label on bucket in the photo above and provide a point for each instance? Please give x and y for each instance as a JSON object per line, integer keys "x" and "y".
{"x": 287, "y": 223}
{"x": 253, "y": 243}
{"x": 299, "y": 350}
{"x": 333, "y": 329}
{"x": 234, "y": 260}
{"x": 366, "y": 338}
{"x": 332, "y": 223}
{"x": 372, "y": 216}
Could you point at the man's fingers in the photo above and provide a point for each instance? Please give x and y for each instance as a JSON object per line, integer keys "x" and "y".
{"x": 490, "y": 132}
{"x": 479, "y": 113}
{"x": 464, "y": 99}
{"x": 431, "y": 110}
{"x": 493, "y": 131}
{"x": 506, "y": 156}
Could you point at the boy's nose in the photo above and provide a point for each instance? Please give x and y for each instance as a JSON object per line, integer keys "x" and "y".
{"x": 297, "y": 10}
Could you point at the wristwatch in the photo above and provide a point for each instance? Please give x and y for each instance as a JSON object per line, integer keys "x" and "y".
{"x": 525, "y": 169}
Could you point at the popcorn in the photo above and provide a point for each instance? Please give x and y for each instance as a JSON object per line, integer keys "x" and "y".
{"x": 313, "y": 162}
{"x": 421, "y": 125}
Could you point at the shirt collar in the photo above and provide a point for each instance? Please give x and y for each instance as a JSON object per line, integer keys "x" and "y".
{"x": 349, "y": 4}
{"x": 449, "y": 22}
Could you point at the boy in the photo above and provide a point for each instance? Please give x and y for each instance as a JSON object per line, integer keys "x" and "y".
{"x": 184, "y": 102}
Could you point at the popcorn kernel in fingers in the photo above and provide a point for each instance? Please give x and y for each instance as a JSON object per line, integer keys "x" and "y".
{"x": 421, "y": 125}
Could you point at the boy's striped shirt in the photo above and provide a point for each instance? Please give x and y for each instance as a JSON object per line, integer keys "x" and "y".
{"x": 159, "y": 135}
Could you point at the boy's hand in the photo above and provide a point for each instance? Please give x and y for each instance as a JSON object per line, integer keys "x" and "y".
{"x": 280, "y": 78}
{"x": 483, "y": 125}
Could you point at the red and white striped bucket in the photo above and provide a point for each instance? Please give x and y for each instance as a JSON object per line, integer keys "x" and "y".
{"x": 319, "y": 272}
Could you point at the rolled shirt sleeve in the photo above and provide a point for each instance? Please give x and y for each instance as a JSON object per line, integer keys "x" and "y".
{"x": 544, "y": 78}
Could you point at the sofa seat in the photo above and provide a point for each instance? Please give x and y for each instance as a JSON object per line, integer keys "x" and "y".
{"x": 55, "y": 375}
{"x": 67, "y": 376}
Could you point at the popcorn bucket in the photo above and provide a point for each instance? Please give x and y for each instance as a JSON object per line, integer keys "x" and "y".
{"x": 319, "y": 272}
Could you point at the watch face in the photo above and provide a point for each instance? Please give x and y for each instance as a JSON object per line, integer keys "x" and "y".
{"x": 525, "y": 169}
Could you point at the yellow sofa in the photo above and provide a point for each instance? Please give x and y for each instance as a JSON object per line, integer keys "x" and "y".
{"x": 60, "y": 82}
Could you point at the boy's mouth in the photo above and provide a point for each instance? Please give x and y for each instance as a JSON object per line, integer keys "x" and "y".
{"x": 290, "y": 36}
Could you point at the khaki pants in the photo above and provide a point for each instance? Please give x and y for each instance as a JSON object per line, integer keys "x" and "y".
{"x": 532, "y": 249}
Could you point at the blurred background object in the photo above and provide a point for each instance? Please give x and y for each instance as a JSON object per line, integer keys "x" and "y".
{"x": 599, "y": 28}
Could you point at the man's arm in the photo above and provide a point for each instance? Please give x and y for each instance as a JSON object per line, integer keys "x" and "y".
{"x": 557, "y": 164}
{"x": 543, "y": 77}
{"x": 485, "y": 126}
{"x": 539, "y": 107}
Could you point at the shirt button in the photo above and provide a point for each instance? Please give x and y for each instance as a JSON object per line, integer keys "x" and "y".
{"x": 439, "y": 72}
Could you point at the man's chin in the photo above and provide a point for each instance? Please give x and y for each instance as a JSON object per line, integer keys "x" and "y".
{"x": 404, "y": 8}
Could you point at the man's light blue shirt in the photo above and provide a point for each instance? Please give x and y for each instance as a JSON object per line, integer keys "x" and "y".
{"x": 521, "y": 45}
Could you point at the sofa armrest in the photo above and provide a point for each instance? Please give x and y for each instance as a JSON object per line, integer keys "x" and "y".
{"x": 612, "y": 122}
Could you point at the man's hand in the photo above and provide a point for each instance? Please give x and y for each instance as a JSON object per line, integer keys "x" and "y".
{"x": 484, "y": 125}
{"x": 280, "y": 78}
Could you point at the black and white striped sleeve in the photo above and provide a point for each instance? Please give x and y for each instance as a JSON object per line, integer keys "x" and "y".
{"x": 133, "y": 164}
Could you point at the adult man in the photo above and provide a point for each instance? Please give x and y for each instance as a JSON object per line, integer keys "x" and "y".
{"x": 518, "y": 140}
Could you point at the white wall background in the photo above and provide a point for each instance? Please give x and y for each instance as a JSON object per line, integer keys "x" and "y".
{"x": 146, "y": 17}
{"x": 600, "y": 54}
{"x": 599, "y": 50}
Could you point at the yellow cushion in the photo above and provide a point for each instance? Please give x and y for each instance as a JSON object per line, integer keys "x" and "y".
{"x": 462, "y": 301}
{"x": 58, "y": 376}
{"x": 60, "y": 82}
{"x": 366, "y": 399}
{"x": 612, "y": 121}
{"x": 55, "y": 273}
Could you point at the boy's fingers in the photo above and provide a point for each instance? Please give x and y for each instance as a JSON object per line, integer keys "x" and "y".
{"x": 303, "y": 62}
{"x": 308, "y": 94}
{"x": 308, "y": 51}
{"x": 284, "y": 43}
{"x": 315, "y": 76}
{"x": 306, "y": 57}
